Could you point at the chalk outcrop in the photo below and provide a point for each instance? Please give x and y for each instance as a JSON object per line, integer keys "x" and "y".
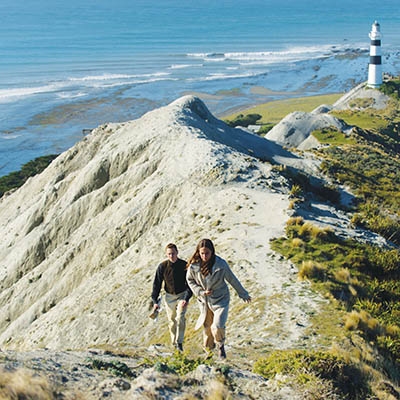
{"x": 295, "y": 130}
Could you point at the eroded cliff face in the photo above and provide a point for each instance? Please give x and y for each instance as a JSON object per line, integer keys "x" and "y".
{"x": 81, "y": 241}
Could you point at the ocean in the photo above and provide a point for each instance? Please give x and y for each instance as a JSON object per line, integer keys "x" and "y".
{"x": 68, "y": 66}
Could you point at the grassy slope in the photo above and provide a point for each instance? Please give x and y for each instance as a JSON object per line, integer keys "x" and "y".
{"x": 274, "y": 111}
{"x": 361, "y": 280}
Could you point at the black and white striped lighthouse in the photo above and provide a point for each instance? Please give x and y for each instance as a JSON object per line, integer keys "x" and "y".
{"x": 375, "y": 57}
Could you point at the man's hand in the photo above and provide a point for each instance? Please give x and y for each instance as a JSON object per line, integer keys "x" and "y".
{"x": 184, "y": 303}
{"x": 154, "y": 312}
{"x": 248, "y": 300}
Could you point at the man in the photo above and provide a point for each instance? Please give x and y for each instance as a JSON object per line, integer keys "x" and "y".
{"x": 177, "y": 293}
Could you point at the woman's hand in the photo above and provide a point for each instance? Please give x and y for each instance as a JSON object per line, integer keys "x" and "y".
{"x": 207, "y": 292}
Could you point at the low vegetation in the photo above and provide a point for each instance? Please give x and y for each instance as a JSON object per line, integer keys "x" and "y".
{"x": 117, "y": 368}
{"x": 17, "y": 178}
{"x": 178, "y": 363}
{"x": 392, "y": 88}
{"x": 320, "y": 375}
{"x": 332, "y": 136}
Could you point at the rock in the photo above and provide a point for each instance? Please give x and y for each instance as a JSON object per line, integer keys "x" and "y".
{"x": 295, "y": 129}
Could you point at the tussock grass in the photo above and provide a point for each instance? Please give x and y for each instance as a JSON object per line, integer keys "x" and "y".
{"x": 297, "y": 242}
{"x": 363, "y": 321}
{"x": 296, "y": 190}
{"x": 314, "y": 232}
{"x": 24, "y": 384}
{"x": 297, "y": 220}
{"x": 343, "y": 275}
{"x": 311, "y": 270}
{"x": 217, "y": 391}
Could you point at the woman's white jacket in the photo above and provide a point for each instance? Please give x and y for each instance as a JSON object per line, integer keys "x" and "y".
{"x": 216, "y": 282}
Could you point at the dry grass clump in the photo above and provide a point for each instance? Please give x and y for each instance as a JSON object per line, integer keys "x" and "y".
{"x": 297, "y": 242}
{"x": 218, "y": 391}
{"x": 24, "y": 384}
{"x": 343, "y": 275}
{"x": 311, "y": 269}
{"x": 297, "y": 227}
{"x": 295, "y": 221}
{"x": 296, "y": 190}
{"x": 315, "y": 232}
{"x": 363, "y": 321}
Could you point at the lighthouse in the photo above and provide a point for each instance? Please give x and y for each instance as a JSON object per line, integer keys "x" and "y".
{"x": 375, "y": 57}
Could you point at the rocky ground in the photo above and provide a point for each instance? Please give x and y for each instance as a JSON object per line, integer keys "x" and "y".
{"x": 95, "y": 374}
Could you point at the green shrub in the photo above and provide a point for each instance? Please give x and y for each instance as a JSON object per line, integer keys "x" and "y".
{"x": 115, "y": 367}
{"x": 391, "y": 88}
{"x": 244, "y": 120}
{"x": 178, "y": 363}
{"x": 265, "y": 128}
{"x": 18, "y": 178}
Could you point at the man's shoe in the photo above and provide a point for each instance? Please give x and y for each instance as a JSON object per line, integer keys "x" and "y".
{"x": 221, "y": 352}
{"x": 179, "y": 347}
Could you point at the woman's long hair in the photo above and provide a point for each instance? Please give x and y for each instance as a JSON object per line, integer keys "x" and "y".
{"x": 205, "y": 267}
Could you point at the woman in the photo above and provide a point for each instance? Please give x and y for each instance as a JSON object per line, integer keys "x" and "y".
{"x": 207, "y": 276}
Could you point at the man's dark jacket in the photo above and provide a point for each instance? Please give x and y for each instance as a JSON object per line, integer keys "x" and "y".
{"x": 174, "y": 277}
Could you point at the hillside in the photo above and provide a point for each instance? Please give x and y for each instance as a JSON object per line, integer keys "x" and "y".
{"x": 83, "y": 239}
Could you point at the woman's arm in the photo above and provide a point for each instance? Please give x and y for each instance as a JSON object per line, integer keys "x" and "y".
{"x": 194, "y": 285}
{"x": 231, "y": 278}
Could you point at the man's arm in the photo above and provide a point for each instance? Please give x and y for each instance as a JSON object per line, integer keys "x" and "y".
{"x": 157, "y": 283}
